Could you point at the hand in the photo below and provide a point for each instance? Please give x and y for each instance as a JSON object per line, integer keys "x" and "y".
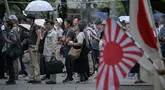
{"x": 35, "y": 49}
{"x": 92, "y": 35}
{"x": 162, "y": 39}
{"x": 161, "y": 71}
{"x": 163, "y": 59}
{"x": 70, "y": 43}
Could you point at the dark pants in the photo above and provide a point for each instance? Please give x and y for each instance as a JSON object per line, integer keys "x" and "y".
{"x": 69, "y": 66}
{"x": 2, "y": 66}
{"x": 2, "y": 63}
{"x": 42, "y": 65}
{"x": 95, "y": 55}
{"x": 45, "y": 69}
{"x": 163, "y": 49}
{"x": 10, "y": 68}
{"x": 22, "y": 66}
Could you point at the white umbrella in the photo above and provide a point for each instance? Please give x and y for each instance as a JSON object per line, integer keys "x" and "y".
{"x": 39, "y": 5}
{"x": 40, "y": 22}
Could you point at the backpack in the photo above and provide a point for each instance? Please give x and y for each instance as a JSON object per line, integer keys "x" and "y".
{"x": 41, "y": 44}
{"x": 88, "y": 43}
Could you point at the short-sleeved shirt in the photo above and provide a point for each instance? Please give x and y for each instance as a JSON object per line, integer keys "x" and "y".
{"x": 59, "y": 32}
{"x": 33, "y": 34}
{"x": 80, "y": 37}
{"x": 71, "y": 34}
{"x": 162, "y": 31}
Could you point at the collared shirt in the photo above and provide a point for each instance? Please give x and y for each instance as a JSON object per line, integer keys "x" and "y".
{"x": 50, "y": 43}
{"x": 59, "y": 31}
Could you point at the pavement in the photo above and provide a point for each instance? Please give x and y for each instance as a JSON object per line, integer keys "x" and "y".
{"x": 90, "y": 85}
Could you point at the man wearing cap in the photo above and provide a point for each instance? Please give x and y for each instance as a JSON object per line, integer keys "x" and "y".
{"x": 33, "y": 41}
{"x": 95, "y": 38}
{"x": 12, "y": 40}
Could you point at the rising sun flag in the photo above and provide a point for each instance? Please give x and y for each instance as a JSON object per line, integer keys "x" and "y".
{"x": 118, "y": 56}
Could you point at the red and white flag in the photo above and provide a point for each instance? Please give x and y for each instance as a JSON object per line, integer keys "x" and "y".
{"x": 141, "y": 27}
{"x": 118, "y": 56}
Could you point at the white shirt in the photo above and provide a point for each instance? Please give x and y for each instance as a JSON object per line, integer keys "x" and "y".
{"x": 59, "y": 31}
{"x": 50, "y": 43}
{"x": 80, "y": 37}
{"x": 101, "y": 45}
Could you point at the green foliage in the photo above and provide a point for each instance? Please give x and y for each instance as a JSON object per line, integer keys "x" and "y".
{"x": 116, "y": 7}
{"x": 17, "y": 8}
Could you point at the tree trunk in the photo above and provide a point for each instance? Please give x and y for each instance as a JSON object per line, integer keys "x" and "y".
{"x": 2, "y": 9}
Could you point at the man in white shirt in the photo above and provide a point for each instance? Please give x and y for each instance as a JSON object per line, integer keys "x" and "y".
{"x": 49, "y": 47}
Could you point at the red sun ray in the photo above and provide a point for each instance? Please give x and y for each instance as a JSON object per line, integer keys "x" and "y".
{"x": 129, "y": 44}
{"x": 99, "y": 76}
{"x": 133, "y": 60}
{"x": 122, "y": 71}
{"x": 116, "y": 80}
{"x": 123, "y": 38}
{"x": 117, "y": 31}
{"x": 100, "y": 63}
{"x": 127, "y": 65}
{"x": 133, "y": 52}
{"x": 106, "y": 79}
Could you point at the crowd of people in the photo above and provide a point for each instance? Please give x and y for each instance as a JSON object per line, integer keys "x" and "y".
{"x": 26, "y": 49}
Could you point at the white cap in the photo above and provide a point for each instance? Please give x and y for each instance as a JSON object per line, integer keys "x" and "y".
{"x": 13, "y": 17}
{"x": 59, "y": 20}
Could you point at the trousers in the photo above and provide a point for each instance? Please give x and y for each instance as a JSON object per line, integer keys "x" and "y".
{"x": 52, "y": 76}
{"x": 35, "y": 64}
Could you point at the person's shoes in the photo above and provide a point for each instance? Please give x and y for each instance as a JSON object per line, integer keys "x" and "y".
{"x": 44, "y": 78}
{"x": 3, "y": 77}
{"x": 139, "y": 81}
{"x": 16, "y": 77}
{"x": 82, "y": 82}
{"x": 30, "y": 81}
{"x": 10, "y": 82}
{"x": 36, "y": 82}
{"x": 67, "y": 80}
{"x": 50, "y": 82}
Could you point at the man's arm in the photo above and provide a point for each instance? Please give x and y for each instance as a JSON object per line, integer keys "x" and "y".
{"x": 95, "y": 37}
{"x": 38, "y": 39}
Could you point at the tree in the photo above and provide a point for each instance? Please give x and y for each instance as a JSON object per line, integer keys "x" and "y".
{"x": 15, "y": 7}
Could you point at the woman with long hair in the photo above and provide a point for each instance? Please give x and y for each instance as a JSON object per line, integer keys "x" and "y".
{"x": 81, "y": 65}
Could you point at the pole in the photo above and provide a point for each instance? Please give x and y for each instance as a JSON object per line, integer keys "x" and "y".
{"x": 7, "y": 7}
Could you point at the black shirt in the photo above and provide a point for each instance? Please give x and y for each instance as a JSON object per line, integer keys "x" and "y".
{"x": 33, "y": 34}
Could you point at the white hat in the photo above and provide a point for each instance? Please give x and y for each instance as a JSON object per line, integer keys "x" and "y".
{"x": 13, "y": 17}
{"x": 59, "y": 20}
